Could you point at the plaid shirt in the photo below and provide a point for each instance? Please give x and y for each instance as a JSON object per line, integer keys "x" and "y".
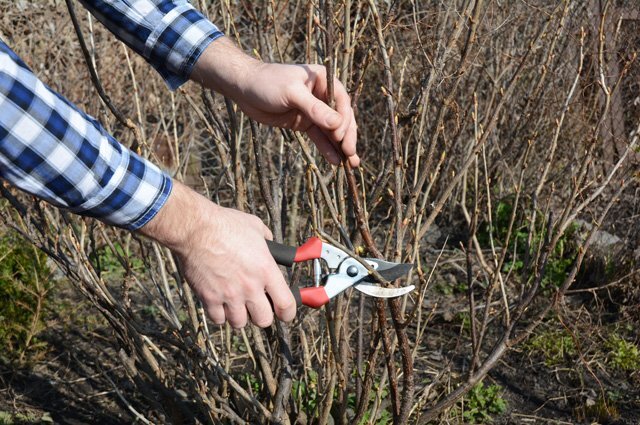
{"x": 51, "y": 149}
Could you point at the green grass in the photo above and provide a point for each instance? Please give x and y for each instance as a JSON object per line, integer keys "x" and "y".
{"x": 482, "y": 403}
{"x": 8, "y": 418}
{"x": 623, "y": 355}
{"x": 383, "y": 416}
{"x": 25, "y": 284}
{"x": 110, "y": 263}
{"x": 555, "y": 345}
{"x": 560, "y": 260}
{"x": 306, "y": 393}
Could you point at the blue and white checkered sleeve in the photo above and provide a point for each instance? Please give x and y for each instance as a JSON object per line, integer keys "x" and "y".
{"x": 51, "y": 149}
{"x": 170, "y": 35}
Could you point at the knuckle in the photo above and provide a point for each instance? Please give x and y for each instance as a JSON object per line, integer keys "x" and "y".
{"x": 232, "y": 296}
{"x": 290, "y": 91}
{"x": 287, "y": 314}
{"x": 316, "y": 108}
{"x": 339, "y": 134}
{"x": 291, "y": 302}
{"x": 285, "y": 301}
{"x": 209, "y": 299}
{"x": 316, "y": 70}
{"x": 257, "y": 222}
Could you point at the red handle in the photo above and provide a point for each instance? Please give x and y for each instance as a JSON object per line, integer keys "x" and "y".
{"x": 287, "y": 255}
{"x": 310, "y": 250}
{"x": 314, "y": 296}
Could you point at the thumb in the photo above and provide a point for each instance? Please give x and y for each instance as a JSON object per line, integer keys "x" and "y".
{"x": 316, "y": 110}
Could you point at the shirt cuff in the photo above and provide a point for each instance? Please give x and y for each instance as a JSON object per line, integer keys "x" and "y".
{"x": 161, "y": 199}
{"x": 176, "y": 44}
{"x": 132, "y": 193}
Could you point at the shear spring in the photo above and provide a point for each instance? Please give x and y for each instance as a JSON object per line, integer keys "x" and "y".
{"x": 317, "y": 272}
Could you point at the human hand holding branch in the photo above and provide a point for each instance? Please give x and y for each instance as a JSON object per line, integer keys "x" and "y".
{"x": 287, "y": 96}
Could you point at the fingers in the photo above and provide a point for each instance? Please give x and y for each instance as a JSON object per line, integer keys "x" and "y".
{"x": 318, "y": 112}
{"x": 354, "y": 161}
{"x": 327, "y": 149}
{"x": 236, "y": 314}
{"x": 343, "y": 106}
{"x": 257, "y": 306}
{"x": 338, "y": 126}
{"x": 350, "y": 138}
{"x": 284, "y": 304}
{"x": 349, "y": 145}
{"x": 260, "y": 312}
{"x": 282, "y": 300}
{"x": 267, "y": 233}
{"x": 347, "y": 134}
{"x": 216, "y": 314}
{"x": 246, "y": 298}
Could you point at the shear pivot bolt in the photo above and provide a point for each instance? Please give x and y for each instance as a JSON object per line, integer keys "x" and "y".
{"x": 352, "y": 271}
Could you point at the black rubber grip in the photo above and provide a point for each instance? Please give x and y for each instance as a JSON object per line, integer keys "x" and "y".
{"x": 283, "y": 254}
{"x": 296, "y": 294}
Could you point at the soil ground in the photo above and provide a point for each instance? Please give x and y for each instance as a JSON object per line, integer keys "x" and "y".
{"x": 78, "y": 379}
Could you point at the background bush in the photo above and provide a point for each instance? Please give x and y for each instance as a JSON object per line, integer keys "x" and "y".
{"x": 488, "y": 130}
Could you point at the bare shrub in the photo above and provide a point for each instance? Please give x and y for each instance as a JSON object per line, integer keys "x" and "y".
{"x": 486, "y": 129}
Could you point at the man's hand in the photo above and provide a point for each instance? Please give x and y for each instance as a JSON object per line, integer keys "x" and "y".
{"x": 224, "y": 257}
{"x": 222, "y": 251}
{"x": 288, "y": 96}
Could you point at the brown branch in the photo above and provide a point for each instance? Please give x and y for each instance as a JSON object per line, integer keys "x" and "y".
{"x": 95, "y": 79}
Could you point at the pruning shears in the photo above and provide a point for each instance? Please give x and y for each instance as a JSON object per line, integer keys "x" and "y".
{"x": 342, "y": 271}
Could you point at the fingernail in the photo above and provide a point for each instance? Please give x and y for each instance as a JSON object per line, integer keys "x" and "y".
{"x": 333, "y": 120}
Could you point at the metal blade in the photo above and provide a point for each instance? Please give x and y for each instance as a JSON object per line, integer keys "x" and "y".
{"x": 389, "y": 271}
{"x": 380, "y": 292}
{"x": 382, "y": 264}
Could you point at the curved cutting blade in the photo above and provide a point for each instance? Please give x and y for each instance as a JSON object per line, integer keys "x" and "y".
{"x": 389, "y": 271}
{"x": 380, "y": 292}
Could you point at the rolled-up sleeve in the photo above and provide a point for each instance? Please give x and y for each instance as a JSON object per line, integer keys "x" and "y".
{"x": 170, "y": 35}
{"x": 51, "y": 149}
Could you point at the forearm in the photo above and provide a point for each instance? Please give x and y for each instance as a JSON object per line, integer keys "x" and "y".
{"x": 51, "y": 149}
{"x": 178, "y": 221}
{"x": 170, "y": 35}
{"x": 223, "y": 67}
